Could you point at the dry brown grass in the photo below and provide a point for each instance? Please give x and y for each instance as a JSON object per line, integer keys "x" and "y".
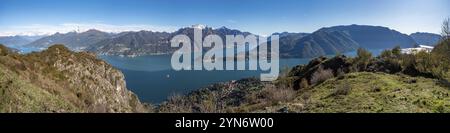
{"x": 177, "y": 103}
{"x": 321, "y": 75}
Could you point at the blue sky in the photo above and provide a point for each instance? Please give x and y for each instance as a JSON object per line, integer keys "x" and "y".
{"x": 257, "y": 16}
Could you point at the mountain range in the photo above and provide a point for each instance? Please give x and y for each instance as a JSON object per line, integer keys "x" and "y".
{"x": 73, "y": 40}
{"x": 424, "y": 38}
{"x": 337, "y": 39}
{"x": 325, "y": 41}
{"x": 14, "y": 41}
{"x": 148, "y": 42}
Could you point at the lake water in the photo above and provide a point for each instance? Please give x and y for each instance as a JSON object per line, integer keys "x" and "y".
{"x": 153, "y": 79}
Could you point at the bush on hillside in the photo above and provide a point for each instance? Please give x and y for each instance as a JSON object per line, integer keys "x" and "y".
{"x": 443, "y": 50}
{"x": 362, "y": 59}
{"x": 321, "y": 75}
{"x": 396, "y": 51}
{"x": 304, "y": 83}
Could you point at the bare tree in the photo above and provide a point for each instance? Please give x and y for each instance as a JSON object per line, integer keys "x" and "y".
{"x": 446, "y": 29}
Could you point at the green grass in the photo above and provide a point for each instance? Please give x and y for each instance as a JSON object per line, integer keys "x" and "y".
{"x": 18, "y": 95}
{"x": 377, "y": 92}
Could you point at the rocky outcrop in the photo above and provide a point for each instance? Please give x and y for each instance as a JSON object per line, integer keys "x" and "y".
{"x": 83, "y": 82}
{"x": 338, "y": 64}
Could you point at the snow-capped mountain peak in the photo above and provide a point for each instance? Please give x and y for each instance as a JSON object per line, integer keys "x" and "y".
{"x": 199, "y": 26}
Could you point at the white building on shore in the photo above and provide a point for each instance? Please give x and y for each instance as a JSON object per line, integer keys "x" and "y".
{"x": 425, "y": 48}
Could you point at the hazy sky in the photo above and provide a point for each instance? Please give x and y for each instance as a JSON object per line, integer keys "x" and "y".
{"x": 257, "y": 16}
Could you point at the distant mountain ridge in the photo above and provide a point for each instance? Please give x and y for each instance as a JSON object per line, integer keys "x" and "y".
{"x": 375, "y": 36}
{"x": 424, "y": 38}
{"x": 288, "y": 40}
{"x": 16, "y": 41}
{"x": 338, "y": 39}
{"x": 325, "y": 41}
{"x": 73, "y": 40}
{"x": 320, "y": 43}
{"x": 150, "y": 43}
{"x": 134, "y": 43}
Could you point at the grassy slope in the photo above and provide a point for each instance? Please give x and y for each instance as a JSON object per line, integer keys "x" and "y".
{"x": 374, "y": 92}
{"x": 352, "y": 92}
{"x": 18, "y": 95}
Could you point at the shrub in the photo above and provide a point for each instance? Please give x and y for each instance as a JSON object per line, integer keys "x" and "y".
{"x": 389, "y": 54}
{"x": 340, "y": 73}
{"x": 393, "y": 61}
{"x": 274, "y": 95}
{"x": 285, "y": 82}
{"x": 284, "y": 72}
{"x": 343, "y": 89}
{"x": 362, "y": 59}
{"x": 321, "y": 75}
{"x": 212, "y": 103}
{"x": 177, "y": 103}
{"x": 386, "y": 54}
{"x": 304, "y": 83}
{"x": 445, "y": 29}
{"x": 4, "y": 50}
{"x": 397, "y": 51}
{"x": 430, "y": 64}
{"x": 443, "y": 49}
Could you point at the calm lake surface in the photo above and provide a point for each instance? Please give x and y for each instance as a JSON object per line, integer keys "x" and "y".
{"x": 153, "y": 79}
